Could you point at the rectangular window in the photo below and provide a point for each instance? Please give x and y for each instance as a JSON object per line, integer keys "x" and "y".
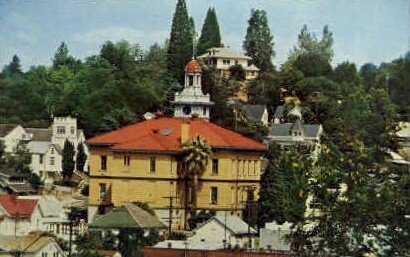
{"x": 72, "y": 130}
{"x": 51, "y": 160}
{"x": 60, "y": 130}
{"x": 215, "y": 166}
{"x": 41, "y": 158}
{"x": 103, "y": 162}
{"x": 214, "y": 195}
{"x": 127, "y": 159}
{"x": 152, "y": 163}
{"x": 103, "y": 188}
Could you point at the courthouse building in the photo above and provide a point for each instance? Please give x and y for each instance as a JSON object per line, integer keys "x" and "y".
{"x": 140, "y": 162}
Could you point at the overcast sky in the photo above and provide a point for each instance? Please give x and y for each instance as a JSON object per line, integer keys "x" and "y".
{"x": 364, "y": 30}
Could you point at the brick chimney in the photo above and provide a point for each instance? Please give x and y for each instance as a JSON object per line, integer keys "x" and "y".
{"x": 185, "y": 132}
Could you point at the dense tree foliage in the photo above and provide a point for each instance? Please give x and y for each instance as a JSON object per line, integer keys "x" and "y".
{"x": 81, "y": 158}
{"x": 180, "y": 45}
{"x": 68, "y": 163}
{"x": 106, "y": 91}
{"x": 258, "y": 42}
{"x": 210, "y": 35}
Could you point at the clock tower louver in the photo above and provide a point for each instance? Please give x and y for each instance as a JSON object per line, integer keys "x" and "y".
{"x": 191, "y": 100}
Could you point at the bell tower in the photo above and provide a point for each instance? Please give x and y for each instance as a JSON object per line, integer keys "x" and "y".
{"x": 191, "y": 100}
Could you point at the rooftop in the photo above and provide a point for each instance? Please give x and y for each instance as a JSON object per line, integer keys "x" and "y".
{"x": 193, "y": 66}
{"x": 30, "y": 243}
{"x": 283, "y": 129}
{"x": 163, "y": 134}
{"x": 254, "y": 112}
{"x": 16, "y": 207}
{"x": 40, "y": 134}
{"x": 224, "y": 52}
{"x": 6, "y": 128}
{"x": 127, "y": 216}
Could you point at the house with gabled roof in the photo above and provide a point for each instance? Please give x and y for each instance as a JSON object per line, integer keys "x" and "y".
{"x": 11, "y": 135}
{"x": 32, "y": 245}
{"x": 18, "y": 216}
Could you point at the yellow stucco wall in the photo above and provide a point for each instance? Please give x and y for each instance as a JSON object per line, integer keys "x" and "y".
{"x": 236, "y": 171}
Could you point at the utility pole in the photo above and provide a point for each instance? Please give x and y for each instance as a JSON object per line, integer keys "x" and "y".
{"x": 171, "y": 210}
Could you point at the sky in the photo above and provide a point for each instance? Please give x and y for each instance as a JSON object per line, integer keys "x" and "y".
{"x": 364, "y": 31}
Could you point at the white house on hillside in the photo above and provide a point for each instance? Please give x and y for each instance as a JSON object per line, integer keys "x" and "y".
{"x": 11, "y": 135}
{"x": 46, "y": 159}
{"x": 222, "y": 58}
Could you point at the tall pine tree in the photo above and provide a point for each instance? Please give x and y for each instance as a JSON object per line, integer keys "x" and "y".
{"x": 180, "y": 43}
{"x": 258, "y": 42}
{"x": 68, "y": 160}
{"x": 210, "y": 35}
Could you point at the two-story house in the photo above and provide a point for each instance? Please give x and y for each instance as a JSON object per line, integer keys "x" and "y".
{"x": 223, "y": 58}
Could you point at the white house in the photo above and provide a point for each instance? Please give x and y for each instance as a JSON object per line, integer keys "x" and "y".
{"x": 54, "y": 216}
{"x": 32, "y": 245}
{"x": 18, "y": 216}
{"x": 11, "y": 135}
{"x": 46, "y": 159}
{"x": 219, "y": 232}
{"x": 296, "y": 132}
{"x": 274, "y": 236}
{"x": 222, "y": 58}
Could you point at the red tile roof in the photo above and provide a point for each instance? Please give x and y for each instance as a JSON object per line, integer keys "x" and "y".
{"x": 164, "y": 134}
{"x": 193, "y": 66}
{"x": 23, "y": 208}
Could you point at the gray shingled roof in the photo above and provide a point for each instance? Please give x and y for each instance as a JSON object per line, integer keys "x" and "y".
{"x": 40, "y": 147}
{"x": 225, "y": 52}
{"x": 234, "y": 224}
{"x": 127, "y": 216}
{"x": 6, "y": 128}
{"x": 253, "y": 112}
{"x": 310, "y": 130}
{"x": 279, "y": 111}
{"x": 40, "y": 134}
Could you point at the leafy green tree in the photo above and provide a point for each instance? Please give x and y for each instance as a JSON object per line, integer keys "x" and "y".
{"x": 258, "y": 42}
{"x": 210, "y": 34}
{"x": 35, "y": 180}
{"x": 237, "y": 72}
{"x": 68, "y": 163}
{"x": 62, "y": 58}
{"x": 283, "y": 190}
{"x": 181, "y": 42}
{"x": 81, "y": 157}
{"x": 308, "y": 44}
{"x": 369, "y": 72}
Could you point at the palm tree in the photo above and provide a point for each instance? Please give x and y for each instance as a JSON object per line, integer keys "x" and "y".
{"x": 196, "y": 153}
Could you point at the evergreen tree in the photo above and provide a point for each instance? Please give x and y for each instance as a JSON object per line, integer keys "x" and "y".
{"x": 81, "y": 157}
{"x": 258, "y": 42}
{"x": 62, "y": 58}
{"x": 181, "y": 42}
{"x": 68, "y": 160}
{"x": 210, "y": 34}
{"x": 14, "y": 68}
